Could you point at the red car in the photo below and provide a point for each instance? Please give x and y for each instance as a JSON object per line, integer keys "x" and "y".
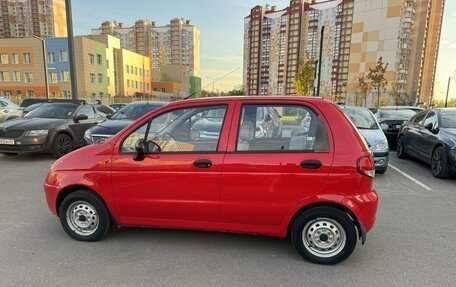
{"x": 312, "y": 182}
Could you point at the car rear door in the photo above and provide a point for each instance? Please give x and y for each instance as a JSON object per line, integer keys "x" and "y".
{"x": 180, "y": 185}
{"x": 79, "y": 127}
{"x": 411, "y": 133}
{"x": 263, "y": 176}
{"x": 426, "y": 138}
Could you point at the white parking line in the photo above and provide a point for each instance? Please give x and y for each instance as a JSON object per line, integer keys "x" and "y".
{"x": 410, "y": 177}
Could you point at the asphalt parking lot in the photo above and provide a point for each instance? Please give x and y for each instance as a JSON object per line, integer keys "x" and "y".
{"x": 412, "y": 244}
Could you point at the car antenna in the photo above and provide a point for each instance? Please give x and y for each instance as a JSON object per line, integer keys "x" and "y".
{"x": 216, "y": 80}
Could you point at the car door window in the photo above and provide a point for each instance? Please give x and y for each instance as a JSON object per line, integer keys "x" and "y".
{"x": 431, "y": 118}
{"x": 419, "y": 117}
{"x": 195, "y": 129}
{"x": 300, "y": 130}
{"x": 88, "y": 111}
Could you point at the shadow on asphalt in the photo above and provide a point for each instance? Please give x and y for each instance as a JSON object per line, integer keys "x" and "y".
{"x": 26, "y": 158}
{"x": 170, "y": 238}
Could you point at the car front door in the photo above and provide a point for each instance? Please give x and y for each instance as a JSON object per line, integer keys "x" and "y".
{"x": 179, "y": 185}
{"x": 411, "y": 133}
{"x": 78, "y": 127}
{"x": 428, "y": 136}
{"x": 263, "y": 176}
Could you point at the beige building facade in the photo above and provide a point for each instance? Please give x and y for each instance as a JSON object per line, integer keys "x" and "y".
{"x": 405, "y": 33}
{"x": 26, "y": 18}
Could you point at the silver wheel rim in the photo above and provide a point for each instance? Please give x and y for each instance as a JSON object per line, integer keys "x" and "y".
{"x": 82, "y": 218}
{"x": 324, "y": 237}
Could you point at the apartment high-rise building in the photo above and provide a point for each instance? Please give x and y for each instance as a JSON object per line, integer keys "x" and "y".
{"x": 174, "y": 44}
{"x": 405, "y": 33}
{"x": 26, "y": 18}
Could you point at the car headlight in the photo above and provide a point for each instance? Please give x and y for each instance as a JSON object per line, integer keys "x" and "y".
{"x": 36, "y": 133}
{"x": 88, "y": 135}
{"x": 381, "y": 146}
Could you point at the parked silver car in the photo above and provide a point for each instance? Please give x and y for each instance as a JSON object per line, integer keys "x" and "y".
{"x": 9, "y": 110}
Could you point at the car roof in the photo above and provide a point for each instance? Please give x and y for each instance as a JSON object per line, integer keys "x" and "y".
{"x": 148, "y": 103}
{"x": 446, "y": 109}
{"x": 401, "y": 107}
{"x": 251, "y": 98}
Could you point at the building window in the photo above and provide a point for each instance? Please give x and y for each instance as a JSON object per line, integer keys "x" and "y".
{"x": 163, "y": 90}
{"x": 108, "y": 80}
{"x": 63, "y": 56}
{"x": 19, "y": 93}
{"x": 65, "y": 76}
{"x": 136, "y": 84}
{"x": 128, "y": 69}
{"x": 16, "y": 76}
{"x": 28, "y": 77}
{"x": 92, "y": 78}
{"x": 14, "y": 58}
{"x": 4, "y": 76}
{"x": 128, "y": 83}
{"x": 51, "y": 58}
{"x": 91, "y": 59}
{"x": 30, "y": 94}
{"x": 26, "y": 57}
{"x": 107, "y": 63}
{"x": 100, "y": 78}
{"x": 136, "y": 70}
{"x": 99, "y": 59}
{"x": 3, "y": 58}
{"x": 101, "y": 94}
{"x": 53, "y": 78}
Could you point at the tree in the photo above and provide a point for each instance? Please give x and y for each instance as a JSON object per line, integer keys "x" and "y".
{"x": 364, "y": 88}
{"x": 237, "y": 91}
{"x": 305, "y": 78}
{"x": 396, "y": 94}
{"x": 376, "y": 77}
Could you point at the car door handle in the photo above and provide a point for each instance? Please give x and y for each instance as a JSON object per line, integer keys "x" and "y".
{"x": 202, "y": 163}
{"x": 311, "y": 164}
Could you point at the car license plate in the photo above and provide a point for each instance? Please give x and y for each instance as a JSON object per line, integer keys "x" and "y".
{"x": 7, "y": 141}
{"x": 397, "y": 126}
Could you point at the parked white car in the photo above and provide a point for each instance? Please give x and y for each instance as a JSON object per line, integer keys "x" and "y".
{"x": 8, "y": 110}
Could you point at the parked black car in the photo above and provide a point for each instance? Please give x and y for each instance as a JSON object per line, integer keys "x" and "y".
{"x": 391, "y": 118}
{"x": 119, "y": 120}
{"x": 431, "y": 137}
{"x": 55, "y": 128}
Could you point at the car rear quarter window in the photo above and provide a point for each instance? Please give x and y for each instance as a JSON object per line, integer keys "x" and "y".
{"x": 281, "y": 128}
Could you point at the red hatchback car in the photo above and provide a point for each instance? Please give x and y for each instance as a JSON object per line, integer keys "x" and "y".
{"x": 278, "y": 166}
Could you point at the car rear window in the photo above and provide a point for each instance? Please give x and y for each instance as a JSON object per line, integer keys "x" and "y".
{"x": 281, "y": 128}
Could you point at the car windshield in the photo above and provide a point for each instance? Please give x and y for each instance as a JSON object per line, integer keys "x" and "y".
{"x": 133, "y": 112}
{"x": 449, "y": 120}
{"x": 362, "y": 118}
{"x": 53, "y": 111}
{"x": 399, "y": 114}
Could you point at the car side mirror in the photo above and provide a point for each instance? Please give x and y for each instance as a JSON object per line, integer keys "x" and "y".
{"x": 143, "y": 147}
{"x": 80, "y": 117}
{"x": 430, "y": 127}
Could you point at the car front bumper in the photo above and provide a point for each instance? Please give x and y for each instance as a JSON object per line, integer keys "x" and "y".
{"x": 381, "y": 160}
{"x": 25, "y": 144}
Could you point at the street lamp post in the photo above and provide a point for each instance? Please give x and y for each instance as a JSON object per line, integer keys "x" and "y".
{"x": 72, "y": 58}
{"x": 448, "y": 91}
{"x": 46, "y": 80}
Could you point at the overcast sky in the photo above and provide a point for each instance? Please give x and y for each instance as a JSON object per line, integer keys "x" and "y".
{"x": 222, "y": 28}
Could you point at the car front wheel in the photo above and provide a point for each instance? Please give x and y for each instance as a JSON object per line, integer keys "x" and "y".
{"x": 84, "y": 216}
{"x": 62, "y": 145}
{"x": 439, "y": 164}
{"x": 324, "y": 235}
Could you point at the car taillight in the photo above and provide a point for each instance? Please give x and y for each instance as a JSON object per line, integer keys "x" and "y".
{"x": 366, "y": 166}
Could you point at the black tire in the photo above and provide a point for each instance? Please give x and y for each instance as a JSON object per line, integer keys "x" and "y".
{"x": 439, "y": 164}
{"x": 8, "y": 153}
{"x": 79, "y": 200}
{"x": 400, "y": 152}
{"x": 329, "y": 217}
{"x": 62, "y": 145}
{"x": 381, "y": 170}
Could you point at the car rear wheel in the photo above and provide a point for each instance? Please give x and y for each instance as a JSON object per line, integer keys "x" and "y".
{"x": 400, "y": 149}
{"x": 84, "y": 216}
{"x": 439, "y": 164}
{"x": 63, "y": 144}
{"x": 324, "y": 235}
